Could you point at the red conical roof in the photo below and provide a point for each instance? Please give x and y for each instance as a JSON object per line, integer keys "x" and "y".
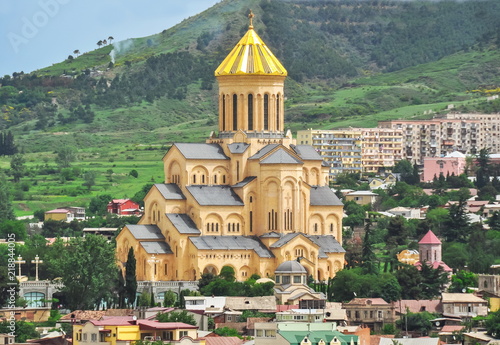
{"x": 429, "y": 238}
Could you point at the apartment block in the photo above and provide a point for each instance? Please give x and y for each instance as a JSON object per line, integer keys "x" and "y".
{"x": 341, "y": 149}
{"x": 490, "y": 128}
{"x": 437, "y": 137}
{"x": 381, "y": 148}
{"x": 355, "y": 150}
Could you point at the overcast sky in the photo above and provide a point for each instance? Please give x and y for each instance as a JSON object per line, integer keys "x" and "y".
{"x": 38, "y": 33}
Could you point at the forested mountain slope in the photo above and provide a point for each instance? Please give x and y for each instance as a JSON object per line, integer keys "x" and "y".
{"x": 349, "y": 62}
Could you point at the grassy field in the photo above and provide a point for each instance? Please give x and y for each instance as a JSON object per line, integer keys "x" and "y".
{"x": 112, "y": 166}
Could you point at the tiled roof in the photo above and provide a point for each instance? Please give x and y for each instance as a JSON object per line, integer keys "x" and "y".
{"x": 281, "y": 156}
{"x": 183, "y": 223}
{"x": 114, "y": 321}
{"x": 451, "y": 328}
{"x": 150, "y": 325}
{"x": 201, "y": 151}
{"x": 324, "y": 196}
{"x": 231, "y": 243}
{"x": 159, "y": 247}
{"x": 214, "y": 195}
{"x": 223, "y": 341}
{"x": 447, "y": 297}
{"x": 145, "y": 232}
{"x": 417, "y": 306}
{"x": 367, "y": 301}
{"x": 170, "y": 191}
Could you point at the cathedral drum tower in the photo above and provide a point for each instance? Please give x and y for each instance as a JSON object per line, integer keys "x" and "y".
{"x": 249, "y": 197}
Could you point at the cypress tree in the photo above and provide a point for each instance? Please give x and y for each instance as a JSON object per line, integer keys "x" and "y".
{"x": 130, "y": 277}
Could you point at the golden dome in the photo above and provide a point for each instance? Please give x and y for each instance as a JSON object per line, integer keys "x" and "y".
{"x": 251, "y": 56}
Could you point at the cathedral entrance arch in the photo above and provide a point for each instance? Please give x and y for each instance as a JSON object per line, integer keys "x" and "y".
{"x": 210, "y": 269}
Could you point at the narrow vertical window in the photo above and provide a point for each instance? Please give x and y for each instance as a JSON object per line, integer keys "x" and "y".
{"x": 251, "y": 221}
{"x": 235, "y": 112}
{"x": 250, "y": 112}
{"x": 266, "y": 112}
{"x": 278, "y": 99}
{"x": 237, "y": 171}
{"x": 223, "y": 112}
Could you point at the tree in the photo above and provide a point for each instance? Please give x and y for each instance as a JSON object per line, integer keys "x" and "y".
{"x": 409, "y": 278}
{"x": 227, "y": 273}
{"x": 368, "y": 256}
{"x": 417, "y": 322}
{"x": 227, "y": 332}
{"x": 177, "y": 316}
{"x": 483, "y": 171}
{"x": 462, "y": 280}
{"x": 169, "y": 298}
{"x": 433, "y": 281}
{"x": 15, "y": 227}
{"x": 130, "y": 278}
{"x": 84, "y": 264}
{"x": 457, "y": 226}
{"x": 24, "y": 330}
{"x": 396, "y": 231}
{"x": 17, "y": 167}
{"x": 89, "y": 178}
{"x": 6, "y": 210}
{"x": 492, "y": 324}
{"x": 99, "y": 43}
{"x": 134, "y": 173}
{"x": 98, "y": 204}
{"x": 76, "y": 52}
{"x": 409, "y": 173}
{"x": 110, "y": 39}
{"x": 65, "y": 156}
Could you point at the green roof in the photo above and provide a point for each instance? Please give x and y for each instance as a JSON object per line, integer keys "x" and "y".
{"x": 296, "y": 337}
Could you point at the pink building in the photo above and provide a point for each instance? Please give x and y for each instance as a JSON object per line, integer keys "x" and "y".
{"x": 453, "y": 163}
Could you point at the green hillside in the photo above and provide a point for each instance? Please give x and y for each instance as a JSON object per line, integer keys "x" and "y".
{"x": 350, "y": 63}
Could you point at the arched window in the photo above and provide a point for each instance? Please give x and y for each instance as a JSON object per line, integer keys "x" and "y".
{"x": 250, "y": 112}
{"x": 235, "y": 112}
{"x": 278, "y": 113}
{"x": 223, "y": 112}
{"x": 34, "y": 299}
{"x": 266, "y": 112}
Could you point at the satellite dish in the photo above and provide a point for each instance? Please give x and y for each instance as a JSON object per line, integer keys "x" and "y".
{"x": 463, "y": 290}
{"x": 438, "y": 323}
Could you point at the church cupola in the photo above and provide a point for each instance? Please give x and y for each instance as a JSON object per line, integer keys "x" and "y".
{"x": 251, "y": 82}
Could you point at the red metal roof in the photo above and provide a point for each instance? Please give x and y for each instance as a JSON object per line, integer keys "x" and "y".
{"x": 149, "y": 324}
{"x": 429, "y": 238}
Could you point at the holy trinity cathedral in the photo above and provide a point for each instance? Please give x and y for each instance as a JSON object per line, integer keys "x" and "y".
{"x": 249, "y": 197}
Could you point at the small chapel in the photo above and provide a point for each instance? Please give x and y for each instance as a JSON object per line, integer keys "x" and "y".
{"x": 248, "y": 197}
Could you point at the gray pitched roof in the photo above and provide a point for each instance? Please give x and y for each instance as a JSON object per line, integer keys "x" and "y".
{"x": 272, "y": 234}
{"x": 244, "y": 182}
{"x": 281, "y": 156}
{"x": 170, "y": 191}
{"x": 263, "y": 151}
{"x": 231, "y": 243}
{"x": 201, "y": 151}
{"x": 285, "y": 239}
{"x": 238, "y": 147}
{"x": 183, "y": 223}
{"x": 159, "y": 247}
{"x": 326, "y": 243}
{"x": 324, "y": 196}
{"x": 214, "y": 195}
{"x": 306, "y": 152}
{"x": 145, "y": 232}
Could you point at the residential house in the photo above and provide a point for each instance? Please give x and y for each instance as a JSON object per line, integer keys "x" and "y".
{"x": 490, "y": 209}
{"x": 125, "y": 330}
{"x": 123, "y": 207}
{"x": 479, "y": 338}
{"x": 66, "y": 214}
{"x": 362, "y": 197}
{"x": 370, "y": 312}
{"x": 463, "y": 305}
{"x": 291, "y": 284}
{"x": 363, "y": 333}
{"x": 407, "y": 212}
{"x": 6, "y": 339}
{"x": 449, "y": 334}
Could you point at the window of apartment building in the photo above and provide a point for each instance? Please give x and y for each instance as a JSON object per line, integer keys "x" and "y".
{"x": 270, "y": 333}
{"x": 356, "y": 314}
{"x": 380, "y": 315}
{"x": 93, "y": 337}
{"x": 259, "y": 333}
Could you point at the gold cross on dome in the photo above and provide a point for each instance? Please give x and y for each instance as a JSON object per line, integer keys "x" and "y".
{"x": 250, "y": 16}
